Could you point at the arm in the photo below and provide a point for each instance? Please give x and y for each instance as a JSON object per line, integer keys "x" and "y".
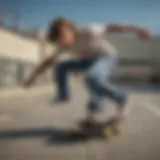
{"x": 39, "y": 69}
{"x": 44, "y": 65}
{"x": 121, "y": 28}
{"x": 142, "y": 32}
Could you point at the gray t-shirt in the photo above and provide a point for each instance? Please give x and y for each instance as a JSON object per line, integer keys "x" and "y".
{"x": 91, "y": 41}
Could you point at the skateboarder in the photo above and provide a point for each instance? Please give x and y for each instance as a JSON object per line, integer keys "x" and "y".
{"x": 93, "y": 55}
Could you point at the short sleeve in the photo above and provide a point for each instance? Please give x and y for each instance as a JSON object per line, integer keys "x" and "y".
{"x": 96, "y": 29}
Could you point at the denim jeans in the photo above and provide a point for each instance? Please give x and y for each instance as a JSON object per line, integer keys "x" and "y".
{"x": 96, "y": 71}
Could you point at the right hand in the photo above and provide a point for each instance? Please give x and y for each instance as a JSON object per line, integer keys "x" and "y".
{"x": 29, "y": 80}
{"x": 145, "y": 34}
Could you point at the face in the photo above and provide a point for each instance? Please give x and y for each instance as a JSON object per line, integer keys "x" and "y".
{"x": 67, "y": 36}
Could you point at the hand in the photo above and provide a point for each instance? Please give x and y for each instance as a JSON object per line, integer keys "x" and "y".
{"x": 145, "y": 34}
{"x": 29, "y": 81}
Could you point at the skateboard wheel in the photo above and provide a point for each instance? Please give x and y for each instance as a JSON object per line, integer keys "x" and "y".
{"x": 106, "y": 133}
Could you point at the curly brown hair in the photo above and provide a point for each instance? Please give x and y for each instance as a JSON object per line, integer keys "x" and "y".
{"x": 54, "y": 28}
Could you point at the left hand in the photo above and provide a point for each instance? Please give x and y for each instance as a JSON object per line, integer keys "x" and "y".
{"x": 28, "y": 82}
{"x": 145, "y": 34}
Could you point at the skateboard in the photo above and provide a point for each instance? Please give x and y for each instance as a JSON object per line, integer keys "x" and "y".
{"x": 105, "y": 130}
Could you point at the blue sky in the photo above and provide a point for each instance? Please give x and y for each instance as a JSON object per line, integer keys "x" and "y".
{"x": 40, "y": 12}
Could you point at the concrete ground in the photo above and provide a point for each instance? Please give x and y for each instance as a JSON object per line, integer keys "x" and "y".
{"x": 32, "y": 127}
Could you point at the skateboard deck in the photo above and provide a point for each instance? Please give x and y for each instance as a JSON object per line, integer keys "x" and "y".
{"x": 104, "y": 129}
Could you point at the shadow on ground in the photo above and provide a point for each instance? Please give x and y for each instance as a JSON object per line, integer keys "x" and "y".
{"x": 53, "y": 136}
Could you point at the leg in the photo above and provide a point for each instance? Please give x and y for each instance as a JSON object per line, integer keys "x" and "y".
{"x": 96, "y": 82}
{"x": 61, "y": 72}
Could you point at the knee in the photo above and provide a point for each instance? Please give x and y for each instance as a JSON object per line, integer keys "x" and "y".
{"x": 122, "y": 97}
{"x": 92, "y": 79}
{"x": 88, "y": 78}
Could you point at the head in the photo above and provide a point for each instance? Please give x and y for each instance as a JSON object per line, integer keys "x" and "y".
{"x": 62, "y": 32}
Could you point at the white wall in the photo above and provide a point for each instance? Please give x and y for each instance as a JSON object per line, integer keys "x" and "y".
{"x": 15, "y": 46}
{"x": 20, "y": 48}
{"x": 132, "y": 47}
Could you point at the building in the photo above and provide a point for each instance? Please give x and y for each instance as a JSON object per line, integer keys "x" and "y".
{"x": 20, "y": 51}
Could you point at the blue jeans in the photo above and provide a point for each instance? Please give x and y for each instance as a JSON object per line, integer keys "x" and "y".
{"x": 96, "y": 71}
